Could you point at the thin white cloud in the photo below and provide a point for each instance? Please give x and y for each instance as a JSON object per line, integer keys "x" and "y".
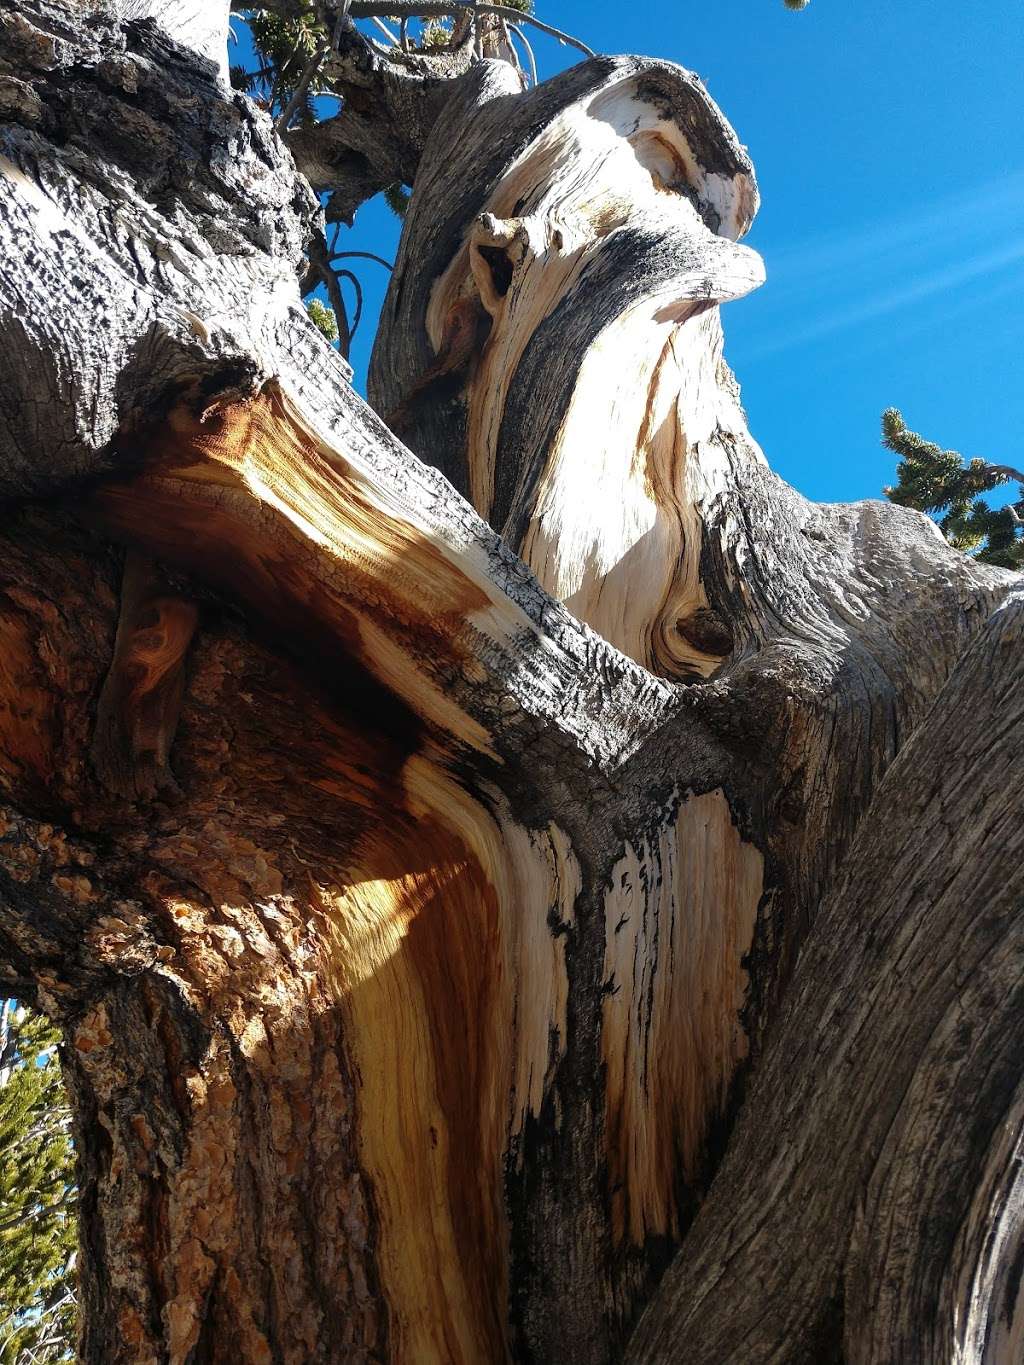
{"x": 954, "y": 305}
{"x": 892, "y": 301}
{"x": 976, "y": 212}
{"x": 854, "y": 278}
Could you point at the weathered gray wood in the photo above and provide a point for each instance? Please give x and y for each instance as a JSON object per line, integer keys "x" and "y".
{"x": 201, "y": 25}
{"x": 122, "y": 160}
{"x": 498, "y": 829}
{"x": 875, "y": 1156}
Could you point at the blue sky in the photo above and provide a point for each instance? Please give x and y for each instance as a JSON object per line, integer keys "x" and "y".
{"x": 888, "y": 144}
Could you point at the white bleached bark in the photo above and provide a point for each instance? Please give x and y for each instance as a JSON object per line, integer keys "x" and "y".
{"x": 201, "y": 25}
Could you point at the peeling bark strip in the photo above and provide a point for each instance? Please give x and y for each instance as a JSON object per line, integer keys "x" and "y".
{"x": 137, "y": 712}
{"x": 679, "y": 922}
{"x": 446, "y": 942}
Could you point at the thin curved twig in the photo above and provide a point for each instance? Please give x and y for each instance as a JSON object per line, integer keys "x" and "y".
{"x": 362, "y": 255}
{"x": 433, "y": 9}
{"x": 337, "y": 302}
{"x": 1007, "y": 470}
{"x": 514, "y": 28}
{"x": 320, "y": 266}
{"x": 385, "y": 30}
{"x": 348, "y": 275}
{"x": 240, "y": 7}
{"x": 565, "y": 38}
{"x": 510, "y": 47}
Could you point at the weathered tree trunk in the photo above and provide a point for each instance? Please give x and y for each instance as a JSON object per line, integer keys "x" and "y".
{"x": 491, "y": 891}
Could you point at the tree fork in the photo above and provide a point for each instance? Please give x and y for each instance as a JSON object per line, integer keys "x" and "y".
{"x": 419, "y": 885}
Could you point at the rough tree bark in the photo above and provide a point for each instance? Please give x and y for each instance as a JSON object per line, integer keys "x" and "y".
{"x": 503, "y": 888}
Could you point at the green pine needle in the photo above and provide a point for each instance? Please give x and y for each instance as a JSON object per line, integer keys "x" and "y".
{"x": 943, "y": 483}
{"x": 321, "y": 316}
{"x": 397, "y": 199}
{"x": 38, "y": 1234}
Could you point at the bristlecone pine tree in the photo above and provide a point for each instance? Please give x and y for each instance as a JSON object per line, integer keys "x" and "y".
{"x": 516, "y": 880}
{"x": 936, "y": 480}
{"x": 37, "y": 1228}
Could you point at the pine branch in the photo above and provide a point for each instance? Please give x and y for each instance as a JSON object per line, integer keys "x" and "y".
{"x": 299, "y": 93}
{"x": 935, "y": 480}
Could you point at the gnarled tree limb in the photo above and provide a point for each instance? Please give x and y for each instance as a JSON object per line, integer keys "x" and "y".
{"x": 413, "y": 1022}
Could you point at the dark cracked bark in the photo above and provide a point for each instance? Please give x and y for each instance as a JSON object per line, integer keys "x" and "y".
{"x": 474, "y": 881}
